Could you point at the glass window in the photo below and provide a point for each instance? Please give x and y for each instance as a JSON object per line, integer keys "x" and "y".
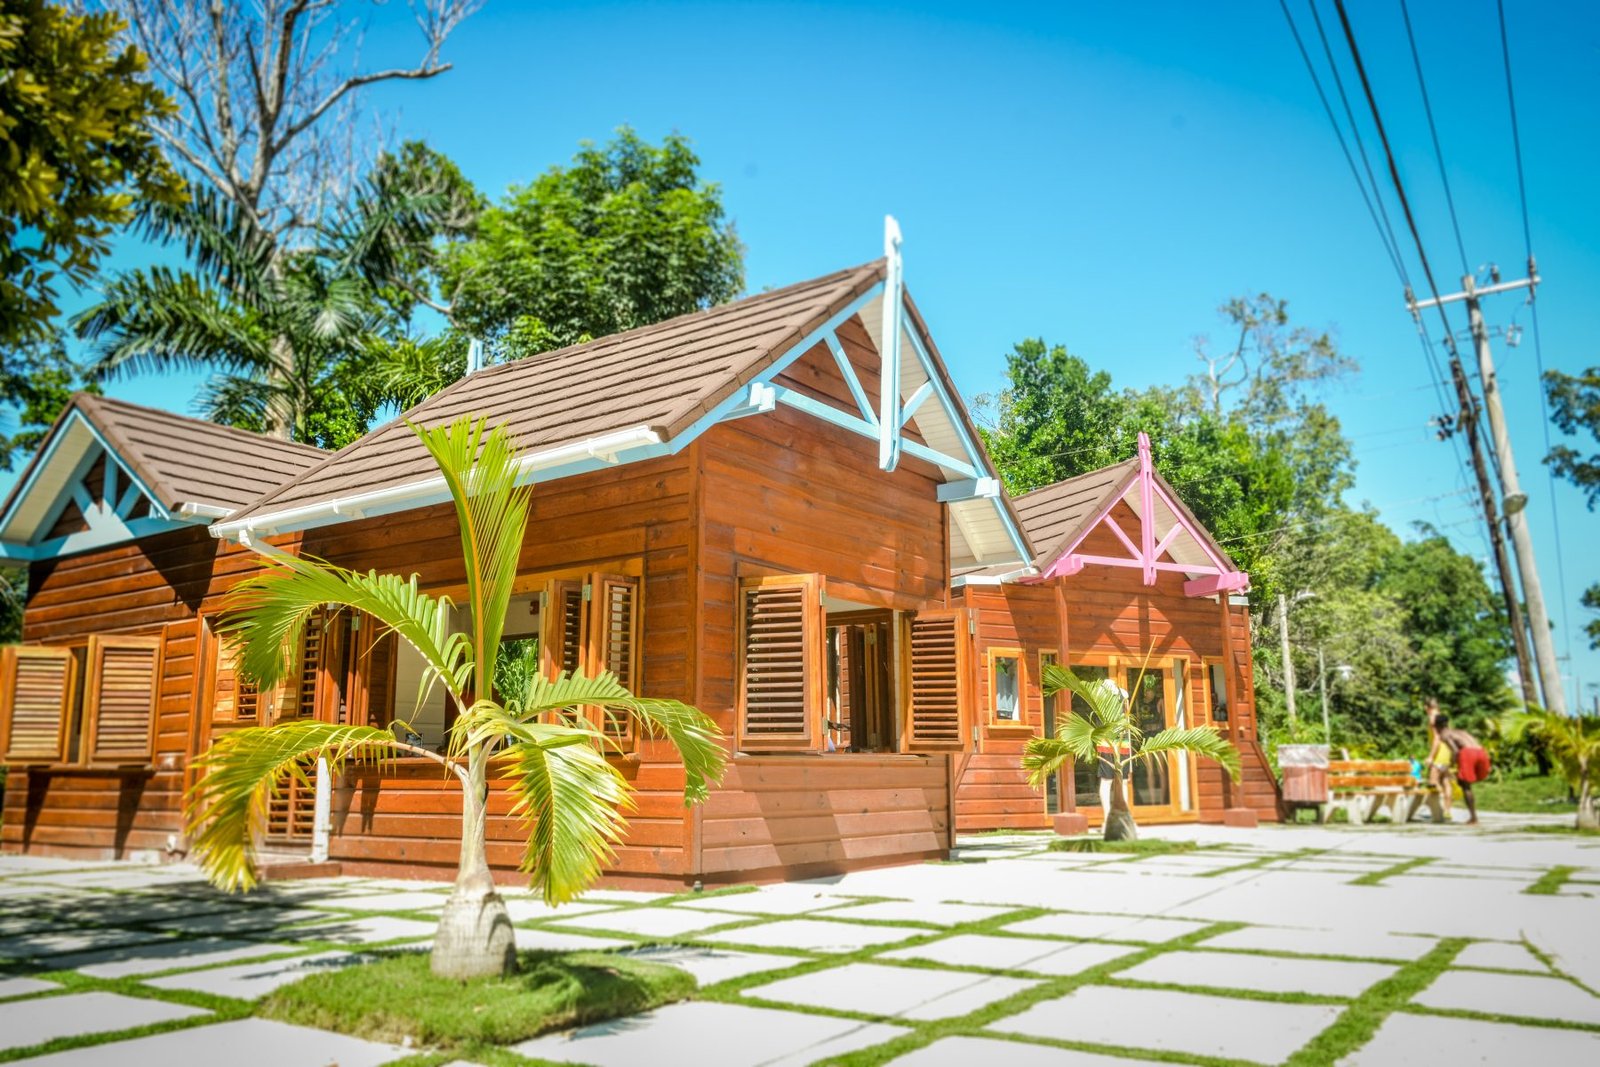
{"x": 1052, "y": 788}
{"x": 1005, "y": 685}
{"x": 1086, "y": 774}
{"x": 1217, "y": 687}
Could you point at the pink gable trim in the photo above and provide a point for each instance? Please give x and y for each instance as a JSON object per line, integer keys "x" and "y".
{"x": 1216, "y": 576}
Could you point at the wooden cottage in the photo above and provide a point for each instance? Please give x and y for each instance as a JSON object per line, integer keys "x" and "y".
{"x": 1125, "y": 584}
{"x": 756, "y": 508}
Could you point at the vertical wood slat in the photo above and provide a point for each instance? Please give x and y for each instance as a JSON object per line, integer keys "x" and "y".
{"x": 938, "y": 687}
{"x": 120, "y": 698}
{"x": 780, "y": 659}
{"x": 34, "y": 703}
{"x": 615, "y": 628}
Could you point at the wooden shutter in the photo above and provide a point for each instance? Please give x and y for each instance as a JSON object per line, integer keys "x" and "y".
{"x": 35, "y": 705}
{"x": 233, "y": 697}
{"x": 615, "y": 627}
{"x": 565, "y": 627}
{"x": 121, "y": 698}
{"x": 780, "y": 676}
{"x": 937, "y": 696}
{"x": 313, "y": 643}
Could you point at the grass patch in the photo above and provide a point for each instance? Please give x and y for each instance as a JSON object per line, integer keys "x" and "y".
{"x": 1356, "y": 1025}
{"x": 1377, "y": 877}
{"x": 1549, "y": 828}
{"x": 1524, "y": 796}
{"x": 1140, "y": 847}
{"x": 1551, "y": 881}
{"x": 397, "y": 997}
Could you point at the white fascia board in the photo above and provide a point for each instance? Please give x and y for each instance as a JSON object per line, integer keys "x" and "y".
{"x": 602, "y": 451}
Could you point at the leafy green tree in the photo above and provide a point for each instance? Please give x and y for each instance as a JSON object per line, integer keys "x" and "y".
{"x": 37, "y": 382}
{"x": 1109, "y": 730}
{"x": 625, "y": 236}
{"x": 76, "y": 153}
{"x": 1591, "y": 600}
{"x": 549, "y": 753}
{"x": 1575, "y": 409}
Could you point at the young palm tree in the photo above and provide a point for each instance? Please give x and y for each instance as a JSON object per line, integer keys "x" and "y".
{"x": 1573, "y": 742}
{"x": 1109, "y": 732}
{"x": 537, "y": 740}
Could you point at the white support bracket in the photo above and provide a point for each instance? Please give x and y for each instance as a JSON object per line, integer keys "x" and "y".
{"x": 970, "y": 489}
{"x": 889, "y": 438}
{"x": 759, "y": 399}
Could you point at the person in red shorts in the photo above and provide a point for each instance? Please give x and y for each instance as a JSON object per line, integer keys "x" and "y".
{"x": 1470, "y": 757}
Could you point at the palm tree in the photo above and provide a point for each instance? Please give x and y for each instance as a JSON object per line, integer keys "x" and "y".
{"x": 1573, "y": 742}
{"x": 539, "y": 740}
{"x": 1109, "y": 732}
{"x": 280, "y": 327}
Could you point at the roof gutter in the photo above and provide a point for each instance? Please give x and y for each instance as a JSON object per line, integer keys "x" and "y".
{"x": 193, "y": 509}
{"x": 604, "y": 448}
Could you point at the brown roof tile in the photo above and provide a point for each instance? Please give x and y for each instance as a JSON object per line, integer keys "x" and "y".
{"x": 663, "y": 376}
{"x": 185, "y": 460}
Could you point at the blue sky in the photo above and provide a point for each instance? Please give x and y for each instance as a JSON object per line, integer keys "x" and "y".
{"x": 1099, "y": 174}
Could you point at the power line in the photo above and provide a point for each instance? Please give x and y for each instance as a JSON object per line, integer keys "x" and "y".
{"x": 1385, "y": 232}
{"x": 1433, "y": 131}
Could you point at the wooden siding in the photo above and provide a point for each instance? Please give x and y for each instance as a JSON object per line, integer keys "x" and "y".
{"x": 1109, "y": 612}
{"x": 781, "y": 817}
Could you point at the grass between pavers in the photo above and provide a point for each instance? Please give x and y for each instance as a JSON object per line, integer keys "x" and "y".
{"x": 397, "y": 999}
{"x": 1264, "y": 860}
{"x": 1144, "y": 846}
{"x": 1565, "y": 828}
{"x": 1356, "y": 1025}
{"x": 1377, "y": 877}
{"x": 1551, "y": 881}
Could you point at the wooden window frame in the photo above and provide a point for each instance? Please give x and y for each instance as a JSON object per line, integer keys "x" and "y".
{"x": 814, "y": 665}
{"x": 71, "y": 703}
{"x": 992, "y": 705}
{"x": 92, "y": 694}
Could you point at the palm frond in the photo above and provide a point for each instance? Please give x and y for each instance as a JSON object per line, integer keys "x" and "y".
{"x": 688, "y": 729}
{"x": 482, "y": 471}
{"x": 266, "y": 614}
{"x": 223, "y": 242}
{"x": 1107, "y": 703}
{"x": 243, "y": 401}
{"x": 1205, "y": 741}
{"x": 226, "y": 811}
{"x": 572, "y": 802}
{"x": 160, "y": 319}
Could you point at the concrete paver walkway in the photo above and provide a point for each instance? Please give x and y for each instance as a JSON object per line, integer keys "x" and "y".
{"x": 1352, "y": 946}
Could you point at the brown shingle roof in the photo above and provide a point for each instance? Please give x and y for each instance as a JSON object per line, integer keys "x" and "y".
{"x": 184, "y": 460}
{"x": 663, "y": 377}
{"x": 188, "y": 460}
{"x": 1055, "y": 516}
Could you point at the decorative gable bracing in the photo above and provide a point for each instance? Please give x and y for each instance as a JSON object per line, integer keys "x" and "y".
{"x": 1161, "y": 534}
{"x": 110, "y": 471}
{"x": 652, "y": 391}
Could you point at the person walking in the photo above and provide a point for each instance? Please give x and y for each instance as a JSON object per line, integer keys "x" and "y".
{"x": 1455, "y": 757}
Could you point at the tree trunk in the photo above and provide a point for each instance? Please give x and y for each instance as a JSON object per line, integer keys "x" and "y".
{"x": 1588, "y": 818}
{"x": 475, "y": 938}
{"x": 1119, "y": 820}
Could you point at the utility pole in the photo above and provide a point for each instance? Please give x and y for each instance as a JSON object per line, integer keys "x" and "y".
{"x": 1322, "y": 681}
{"x": 1515, "y": 500}
{"x": 1288, "y": 664}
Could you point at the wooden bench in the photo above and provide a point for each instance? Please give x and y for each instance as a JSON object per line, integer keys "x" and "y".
{"x": 1364, "y": 787}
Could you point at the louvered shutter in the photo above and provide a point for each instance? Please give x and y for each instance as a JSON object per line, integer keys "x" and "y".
{"x": 937, "y": 697}
{"x": 565, "y": 626}
{"x": 233, "y": 697}
{"x": 780, "y": 678}
{"x": 615, "y": 627}
{"x": 313, "y": 643}
{"x": 121, "y": 698}
{"x": 34, "y": 717}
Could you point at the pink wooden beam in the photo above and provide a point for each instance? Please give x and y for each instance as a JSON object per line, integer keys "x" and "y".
{"x": 1212, "y": 584}
{"x": 1116, "y": 527}
{"x": 1147, "y": 518}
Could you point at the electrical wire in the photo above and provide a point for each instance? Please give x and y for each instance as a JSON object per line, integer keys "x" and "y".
{"x": 1433, "y": 131}
{"x": 1385, "y": 231}
{"x": 1538, "y": 347}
